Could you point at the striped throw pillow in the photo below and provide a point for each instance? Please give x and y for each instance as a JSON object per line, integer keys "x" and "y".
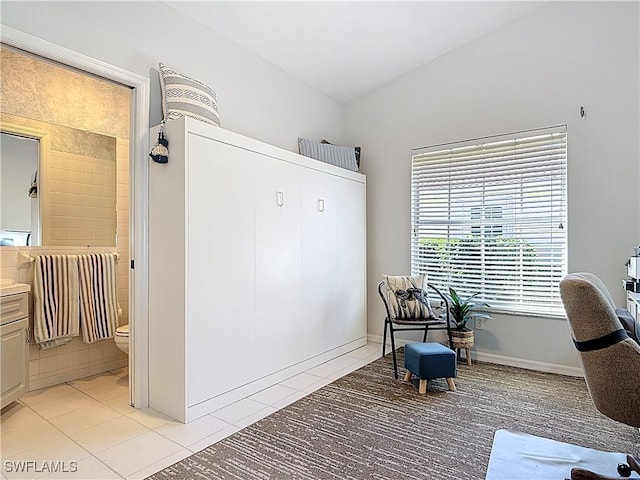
{"x": 337, "y": 155}
{"x": 185, "y": 97}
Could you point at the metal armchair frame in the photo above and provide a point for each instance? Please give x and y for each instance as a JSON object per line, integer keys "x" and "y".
{"x": 419, "y": 324}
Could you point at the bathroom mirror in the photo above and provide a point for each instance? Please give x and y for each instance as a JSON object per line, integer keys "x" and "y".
{"x": 20, "y": 213}
{"x": 58, "y": 187}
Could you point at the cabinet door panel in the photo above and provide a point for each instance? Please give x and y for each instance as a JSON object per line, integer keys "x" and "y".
{"x": 351, "y": 261}
{"x": 220, "y": 250}
{"x": 319, "y": 263}
{"x": 278, "y": 265}
{"x": 13, "y": 340}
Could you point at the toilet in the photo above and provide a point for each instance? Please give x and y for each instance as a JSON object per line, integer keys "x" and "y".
{"x": 122, "y": 338}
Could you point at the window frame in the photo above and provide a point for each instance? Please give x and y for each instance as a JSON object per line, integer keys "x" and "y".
{"x": 491, "y": 221}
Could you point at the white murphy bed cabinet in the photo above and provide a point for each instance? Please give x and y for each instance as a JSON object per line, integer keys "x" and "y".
{"x": 256, "y": 267}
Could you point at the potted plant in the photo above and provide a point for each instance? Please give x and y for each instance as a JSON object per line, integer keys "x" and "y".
{"x": 462, "y": 310}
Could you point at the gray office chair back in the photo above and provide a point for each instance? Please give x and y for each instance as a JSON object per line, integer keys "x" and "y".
{"x": 610, "y": 359}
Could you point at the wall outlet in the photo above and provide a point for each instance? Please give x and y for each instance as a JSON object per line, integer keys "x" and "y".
{"x": 479, "y": 323}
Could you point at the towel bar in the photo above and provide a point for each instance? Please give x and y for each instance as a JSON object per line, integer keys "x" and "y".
{"x": 27, "y": 258}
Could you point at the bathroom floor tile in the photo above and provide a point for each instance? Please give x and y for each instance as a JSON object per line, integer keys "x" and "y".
{"x": 90, "y": 421}
{"x": 107, "y": 391}
{"x": 108, "y": 434}
{"x": 64, "y": 404}
{"x": 121, "y": 404}
{"x": 254, "y": 417}
{"x": 28, "y": 437}
{"x": 215, "y": 438}
{"x": 300, "y": 381}
{"x": 271, "y": 395}
{"x": 187, "y": 434}
{"x": 366, "y": 351}
{"x": 150, "y": 418}
{"x": 323, "y": 382}
{"x": 94, "y": 381}
{"x": 47, "y": 394}
{"x": 159, "y": 465}
{"x": 88, "y": 468}
{"x": 60, "y": 450}
{"x": 323, "y": 370}
{"x": 83, "y": 418}
{"x": 128, "y": 457}
{"x": 238, "y": 410}
{"x": 17, "y": 415}
{"x": 293, "y": 398}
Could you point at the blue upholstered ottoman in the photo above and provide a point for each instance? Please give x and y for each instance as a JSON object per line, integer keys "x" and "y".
{"x": 429, "y": 360}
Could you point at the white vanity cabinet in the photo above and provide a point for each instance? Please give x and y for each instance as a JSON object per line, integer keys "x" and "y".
{"x": 256, "y": 267}
{"x": 14, "y": 314}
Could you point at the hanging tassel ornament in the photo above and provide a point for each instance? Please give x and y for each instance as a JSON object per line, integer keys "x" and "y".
{"x": 160, "y": 151}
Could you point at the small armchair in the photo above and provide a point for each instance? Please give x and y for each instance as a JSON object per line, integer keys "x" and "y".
{"x": 407, "y": 306}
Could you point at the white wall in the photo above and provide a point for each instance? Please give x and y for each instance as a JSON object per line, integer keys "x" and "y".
{"x": 532, "y": 73}
{"x": 255, "y": 98}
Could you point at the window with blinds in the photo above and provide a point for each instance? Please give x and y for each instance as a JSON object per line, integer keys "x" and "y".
{"x": 490, "y": 216}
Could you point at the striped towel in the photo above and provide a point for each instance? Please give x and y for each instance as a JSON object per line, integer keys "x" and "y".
{"x": 55, "y": 292}
{"x": 98, "y": 303}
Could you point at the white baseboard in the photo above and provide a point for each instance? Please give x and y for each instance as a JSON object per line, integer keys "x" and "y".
{"x": 500, "y": 359}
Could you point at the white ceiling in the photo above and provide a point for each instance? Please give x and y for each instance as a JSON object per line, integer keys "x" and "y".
{"x": 346, "y": 49}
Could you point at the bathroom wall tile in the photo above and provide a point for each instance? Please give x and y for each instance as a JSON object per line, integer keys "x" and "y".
{"x": 48, "y": 365}
{"x": 81, "y": 358}
{"x": 34, "y": 352}
{"x": 96, "y": 354}
{"x": 34, "y": 367}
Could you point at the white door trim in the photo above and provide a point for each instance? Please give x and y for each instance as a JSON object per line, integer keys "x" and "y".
{"x": 138, "y": 203}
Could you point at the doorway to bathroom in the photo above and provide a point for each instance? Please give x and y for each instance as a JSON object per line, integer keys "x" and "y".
{"x": 110, "y": 161}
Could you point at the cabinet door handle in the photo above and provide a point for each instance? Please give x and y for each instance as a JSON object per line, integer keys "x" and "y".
{"x": 280, "y": 198}
{"x": 321, "y": 205}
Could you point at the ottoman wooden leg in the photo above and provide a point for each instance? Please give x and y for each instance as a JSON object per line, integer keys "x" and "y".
{"x": 407, "y": 376}
{"x": 423, "y": 386}
{"x": 452, "y": 386}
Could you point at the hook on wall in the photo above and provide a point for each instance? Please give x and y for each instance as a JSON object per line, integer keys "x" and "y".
{"x": 582, "y": 111}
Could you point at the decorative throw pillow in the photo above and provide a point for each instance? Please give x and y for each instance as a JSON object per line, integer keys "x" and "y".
{"x": 408, "y": 298}
{"x": 185, "y": 97}
{"x": 356, "y": 150}
{"x": 337, "y": 155}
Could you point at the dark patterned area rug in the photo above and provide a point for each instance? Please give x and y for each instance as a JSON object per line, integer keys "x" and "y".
{"x": 367, "y": 425}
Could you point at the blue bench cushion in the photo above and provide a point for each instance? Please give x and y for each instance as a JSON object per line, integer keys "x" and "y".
{"x": 430, "y": 360}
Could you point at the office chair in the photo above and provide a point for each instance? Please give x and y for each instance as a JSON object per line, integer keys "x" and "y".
{"x": 610, "y": 359}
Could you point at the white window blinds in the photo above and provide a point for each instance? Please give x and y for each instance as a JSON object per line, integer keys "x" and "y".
{"x": 489, "y": 216}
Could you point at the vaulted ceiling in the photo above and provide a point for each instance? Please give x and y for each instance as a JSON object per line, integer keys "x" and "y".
{"x": 346, "y": 49}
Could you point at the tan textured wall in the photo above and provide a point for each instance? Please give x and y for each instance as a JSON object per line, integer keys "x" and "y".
{"x": 66, "y": 104}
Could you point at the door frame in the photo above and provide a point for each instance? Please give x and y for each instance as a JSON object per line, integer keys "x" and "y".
{"x": 138, "y": 201}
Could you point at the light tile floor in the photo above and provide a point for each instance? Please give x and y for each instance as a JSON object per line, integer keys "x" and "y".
{"x": 88, "y": 425}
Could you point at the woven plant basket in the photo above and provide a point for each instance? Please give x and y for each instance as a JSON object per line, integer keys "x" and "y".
{"x": 462, "y": 339}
